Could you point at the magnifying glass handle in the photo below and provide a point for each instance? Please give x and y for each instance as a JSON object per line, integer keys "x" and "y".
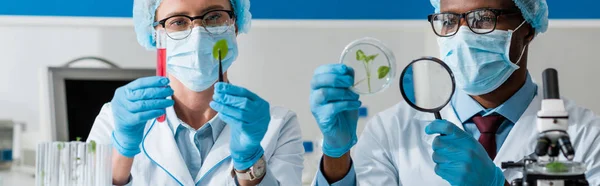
{"x": 438, "y": 116}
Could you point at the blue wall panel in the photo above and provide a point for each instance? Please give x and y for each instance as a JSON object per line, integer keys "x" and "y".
{"x": 284, "y": 9}
{"x": 92, "y": 8}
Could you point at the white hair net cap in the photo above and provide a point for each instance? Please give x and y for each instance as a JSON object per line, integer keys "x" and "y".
{"x": 144, "y": 12}
{"x": 535, "y": 12}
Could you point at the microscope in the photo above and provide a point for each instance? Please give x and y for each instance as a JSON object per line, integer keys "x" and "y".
{"x": 543, "y": 167}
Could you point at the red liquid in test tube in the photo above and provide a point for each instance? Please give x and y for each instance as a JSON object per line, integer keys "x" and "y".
{"x": 161, "y": 60}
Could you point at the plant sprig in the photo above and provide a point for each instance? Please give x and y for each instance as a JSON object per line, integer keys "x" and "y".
{"x": 382, "y": 71}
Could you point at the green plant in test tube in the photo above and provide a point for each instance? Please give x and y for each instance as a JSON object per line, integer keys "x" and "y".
{"x": 366, "y": 60}
{"x": 92, "y": 147}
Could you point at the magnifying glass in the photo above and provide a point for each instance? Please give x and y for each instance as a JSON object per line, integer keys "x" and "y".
{"x": 374, "y": 65}
{"x": 427, "y": 84}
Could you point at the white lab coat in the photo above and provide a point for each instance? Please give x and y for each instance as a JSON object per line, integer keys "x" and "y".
{"x": 394, "y": 149}
{"x": 160, "y": 162}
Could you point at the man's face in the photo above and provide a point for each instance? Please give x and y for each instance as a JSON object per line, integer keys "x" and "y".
{"x": 521, "y": 37}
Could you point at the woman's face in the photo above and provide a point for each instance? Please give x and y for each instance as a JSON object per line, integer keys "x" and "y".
{"x": 190, "y": 8}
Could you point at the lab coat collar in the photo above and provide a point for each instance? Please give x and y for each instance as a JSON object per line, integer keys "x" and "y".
{"x": 518, "y": 142}
{"x": 215, "y": 123}
{"x": 217, "y": 155}
{"x": 160, "y": 147}
{"x": 466, "y": 107}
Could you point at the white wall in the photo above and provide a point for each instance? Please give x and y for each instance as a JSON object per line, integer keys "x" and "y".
{"x": 276, "y": 59}
{"x": 30, "y": 45}
{"x": 283, "y": 77}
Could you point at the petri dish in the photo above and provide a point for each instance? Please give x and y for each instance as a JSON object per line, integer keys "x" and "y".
{"x": 374, "y": 65}
{"x": 558, "y": 168}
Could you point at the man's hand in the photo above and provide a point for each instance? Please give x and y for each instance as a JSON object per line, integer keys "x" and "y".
{"x": 460, "y": 159}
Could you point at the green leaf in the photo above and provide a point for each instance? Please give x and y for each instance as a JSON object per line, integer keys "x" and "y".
{"x": 77, "y": 138}
{"x": 556, "y": 167}
{"x": 383, "y": 71}
{"x": 92, "y": 147}
{"x": 371, "y": 58}
{"x": 360, "y": 55}
{"x": 222, "y": 45}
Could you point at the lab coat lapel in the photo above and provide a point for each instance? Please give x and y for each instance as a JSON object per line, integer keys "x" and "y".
{"x": 424, "y": 118}
{"x": 160, "y": 147}
{"x": 519, "y": 142}
{"x": 218, "y": 153}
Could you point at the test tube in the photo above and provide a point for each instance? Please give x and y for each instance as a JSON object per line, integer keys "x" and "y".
{"x": 161, "y": 58}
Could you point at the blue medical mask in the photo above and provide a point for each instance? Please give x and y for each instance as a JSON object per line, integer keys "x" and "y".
{"x": 191, "y": 59}
{"x": 480, "y": 62}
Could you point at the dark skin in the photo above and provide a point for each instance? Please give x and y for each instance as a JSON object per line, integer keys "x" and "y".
{"x": 334, "y": 169}
{"x": 521, "y": 39}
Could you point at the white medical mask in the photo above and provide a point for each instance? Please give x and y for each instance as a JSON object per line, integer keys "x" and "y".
{"x": 191, "y": 59}
{"x": 480, "y": 62}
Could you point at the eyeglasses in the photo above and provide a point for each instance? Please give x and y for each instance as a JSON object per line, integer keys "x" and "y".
{"x": 480, "y": 21}
{"x": 214, "y": 22}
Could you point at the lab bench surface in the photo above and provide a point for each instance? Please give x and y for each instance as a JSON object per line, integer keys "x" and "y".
{"x": 13, "y": 178}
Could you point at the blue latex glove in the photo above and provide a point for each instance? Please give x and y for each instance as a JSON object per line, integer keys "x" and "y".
{"x": 335, "y": 107}
{"x": 460, "y": 159}
{"x": 248, "y": 116}
{"x": 132, "y": 106}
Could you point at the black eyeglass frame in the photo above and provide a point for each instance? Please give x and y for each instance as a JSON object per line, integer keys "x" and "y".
{"x": 162, "y": 22}
{"x": 497, "y": 14}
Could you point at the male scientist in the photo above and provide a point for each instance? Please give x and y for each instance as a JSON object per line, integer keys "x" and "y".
{"x": 214, "y": 133}
{"x": 491, "y": 118}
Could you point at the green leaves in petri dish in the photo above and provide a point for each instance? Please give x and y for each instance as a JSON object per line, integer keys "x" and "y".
{"x": 360, "y": 55}
{"x": 556, "y": 167}
{"x": 371, "y": 58}
{"x": 222, "y": 45}
{"x": 383, "y": 71}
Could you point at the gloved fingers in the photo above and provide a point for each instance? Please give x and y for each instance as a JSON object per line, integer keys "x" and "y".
{"x": 328, "y": 95}
{"x": 337, "y": 107}
{"x": 450, "y": 147}
{"x": 148, "y": 82}
{"x": 441, "y": 171}
{"x": 336, "y": 68}
{"x": 146, "y": 105}
{"x": 235, "y": 101}
{"x": 439, "y": 143}
{"x": 150, "y": 93}
{"x": 440, "y": 157}
{"x": 235, "y": 123}
{"x": 445, "y": 128}
{"x": 235, "y": 113}
{"x": 142, "y": 117}
{"x": 448, "y": 172}
{"x": 331, "y": 81}
{"x": 226, "y": 88}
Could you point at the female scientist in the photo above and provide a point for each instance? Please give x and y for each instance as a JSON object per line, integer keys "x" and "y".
{"x": 214, "y": 133}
